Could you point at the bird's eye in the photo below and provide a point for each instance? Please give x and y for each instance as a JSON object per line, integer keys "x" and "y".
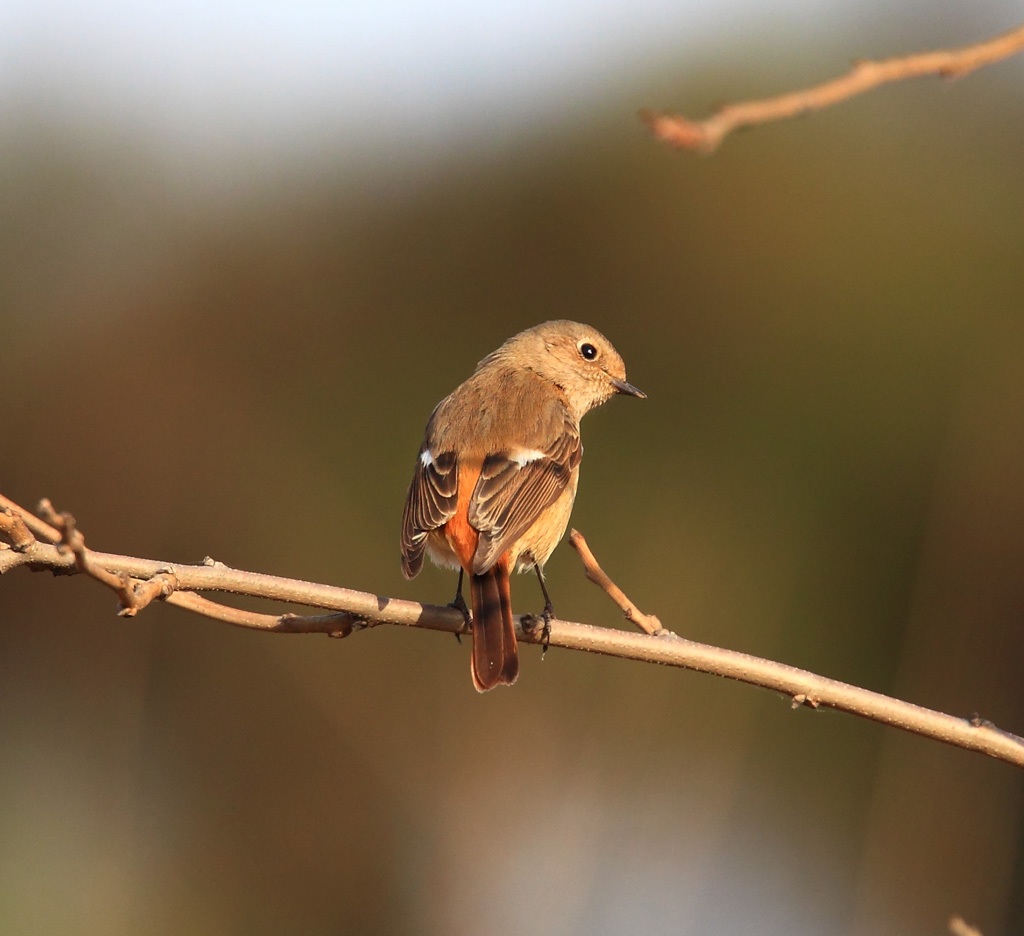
{"x": 588, "y": 351}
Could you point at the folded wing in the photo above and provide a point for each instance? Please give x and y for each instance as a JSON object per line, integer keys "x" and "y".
{"x": 429, "y": 505}
{"x": 514, "y": 488}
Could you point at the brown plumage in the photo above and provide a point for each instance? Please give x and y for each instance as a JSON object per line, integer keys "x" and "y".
{"x": 498, "y": 469}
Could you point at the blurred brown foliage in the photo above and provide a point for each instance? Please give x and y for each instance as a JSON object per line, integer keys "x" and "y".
{"x": 827, "y": 319}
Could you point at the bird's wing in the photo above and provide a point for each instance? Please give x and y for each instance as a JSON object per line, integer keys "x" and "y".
{"x": 430, "y": 504}
{"x": 515, "y": 487}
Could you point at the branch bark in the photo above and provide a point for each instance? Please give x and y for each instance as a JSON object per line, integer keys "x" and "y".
{"x": 356, "y": 610}
{"x": 706, "y": 135}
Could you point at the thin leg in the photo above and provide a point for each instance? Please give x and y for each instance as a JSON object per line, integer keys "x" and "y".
{"x": 548, "y": 613}
{"x": 459, "y": 603}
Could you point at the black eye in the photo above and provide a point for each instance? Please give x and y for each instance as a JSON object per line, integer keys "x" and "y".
{"x": 588, "y": 351}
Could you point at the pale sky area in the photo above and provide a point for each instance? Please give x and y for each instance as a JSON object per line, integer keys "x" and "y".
{"x": 390, "y": 66}
{"x": 208, "y": 77}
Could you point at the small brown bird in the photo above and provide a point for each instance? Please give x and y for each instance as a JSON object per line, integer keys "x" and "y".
{"x": 497, "y": 473}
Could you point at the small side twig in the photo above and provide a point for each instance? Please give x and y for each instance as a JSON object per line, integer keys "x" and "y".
{"x": 72, "y": 539}
{"x": 340, "y": 624}
{"x": 648, "y": 623}
{"x": 41, "y": 529}
{"x": 706, "y": 135}
{"x": 136, "y": 594}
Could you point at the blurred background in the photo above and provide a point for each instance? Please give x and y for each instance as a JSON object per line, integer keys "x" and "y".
{"x": 246, "y": 247}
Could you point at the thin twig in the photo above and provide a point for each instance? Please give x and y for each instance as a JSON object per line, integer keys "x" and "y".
{"x": 958, "y": 926}
{"x": 37, "y": 526}
{"x": 804, "y": 688}
{"x": 648, "y": 623}
{"x": 339, "y": 624}
{"x": 706, "y": 135}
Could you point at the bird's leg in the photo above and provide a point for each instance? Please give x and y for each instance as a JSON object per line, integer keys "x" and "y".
{"x": 548, "y": 613}
{"x": 459, "y": 603}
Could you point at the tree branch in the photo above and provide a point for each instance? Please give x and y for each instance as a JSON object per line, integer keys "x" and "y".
{"x": 706, "y": 135}
{"x": 359, "y": 610}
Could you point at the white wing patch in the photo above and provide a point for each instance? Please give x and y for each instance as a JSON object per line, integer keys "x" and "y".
{"x": 426, "y": 458}
{"x": 523, "y": 457}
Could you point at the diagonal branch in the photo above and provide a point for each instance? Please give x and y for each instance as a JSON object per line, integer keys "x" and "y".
{"x": 648, "y": 623}
{"x": 360, "y": 610}
{"x": 706, "y": 135}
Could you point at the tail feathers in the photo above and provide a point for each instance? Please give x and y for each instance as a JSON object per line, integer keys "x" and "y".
{"x": 495, "y": 659}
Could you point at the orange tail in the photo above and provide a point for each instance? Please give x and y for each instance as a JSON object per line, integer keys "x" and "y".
{"x": 495, "y": 656}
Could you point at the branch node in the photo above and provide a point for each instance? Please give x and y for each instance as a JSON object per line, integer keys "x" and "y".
{"x": 48, "y": 512}
{"x": 72, "y": 540}
{"x": 348, "y": 624}
{"x": 15, "y": 531}
{"x": 802, "y": 699}
{"x": 338, "y": 625}
{"x": 161, "y": 585}
{"x": 679, "y": 132}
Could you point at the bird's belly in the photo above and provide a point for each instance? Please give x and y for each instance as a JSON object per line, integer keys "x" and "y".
{"x": 535, "y": 546}
{"x": 440, "y": 550}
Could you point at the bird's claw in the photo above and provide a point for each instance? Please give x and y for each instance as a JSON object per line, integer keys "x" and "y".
{"x": 548, "y": 614}
{"x": 542, "y": 620}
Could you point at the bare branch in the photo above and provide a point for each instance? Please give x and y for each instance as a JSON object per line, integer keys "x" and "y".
{"x": 706, "y": 135}
{"x": 361, "y": 610}
{"x": 216, "y": 576}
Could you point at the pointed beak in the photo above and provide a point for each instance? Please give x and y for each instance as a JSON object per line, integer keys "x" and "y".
{"x": 622, "y": 387}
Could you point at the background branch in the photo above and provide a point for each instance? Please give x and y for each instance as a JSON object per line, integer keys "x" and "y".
{"x": 706, "y": 135}
{"x": 958, "y": 926}
{"x": 361, "y": 609}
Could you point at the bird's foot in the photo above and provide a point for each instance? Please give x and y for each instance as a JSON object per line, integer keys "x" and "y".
{"x": 548, "y": 614}
{"x": 534, "y": 622}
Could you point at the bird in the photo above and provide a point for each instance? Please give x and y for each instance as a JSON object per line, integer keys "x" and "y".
{"x": 496, "y": 475}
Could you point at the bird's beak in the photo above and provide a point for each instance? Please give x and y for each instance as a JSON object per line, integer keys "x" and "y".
{"x": 622, "y": 387}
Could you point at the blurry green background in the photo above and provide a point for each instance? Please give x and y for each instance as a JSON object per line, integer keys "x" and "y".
{"x": 227, "y": 340}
